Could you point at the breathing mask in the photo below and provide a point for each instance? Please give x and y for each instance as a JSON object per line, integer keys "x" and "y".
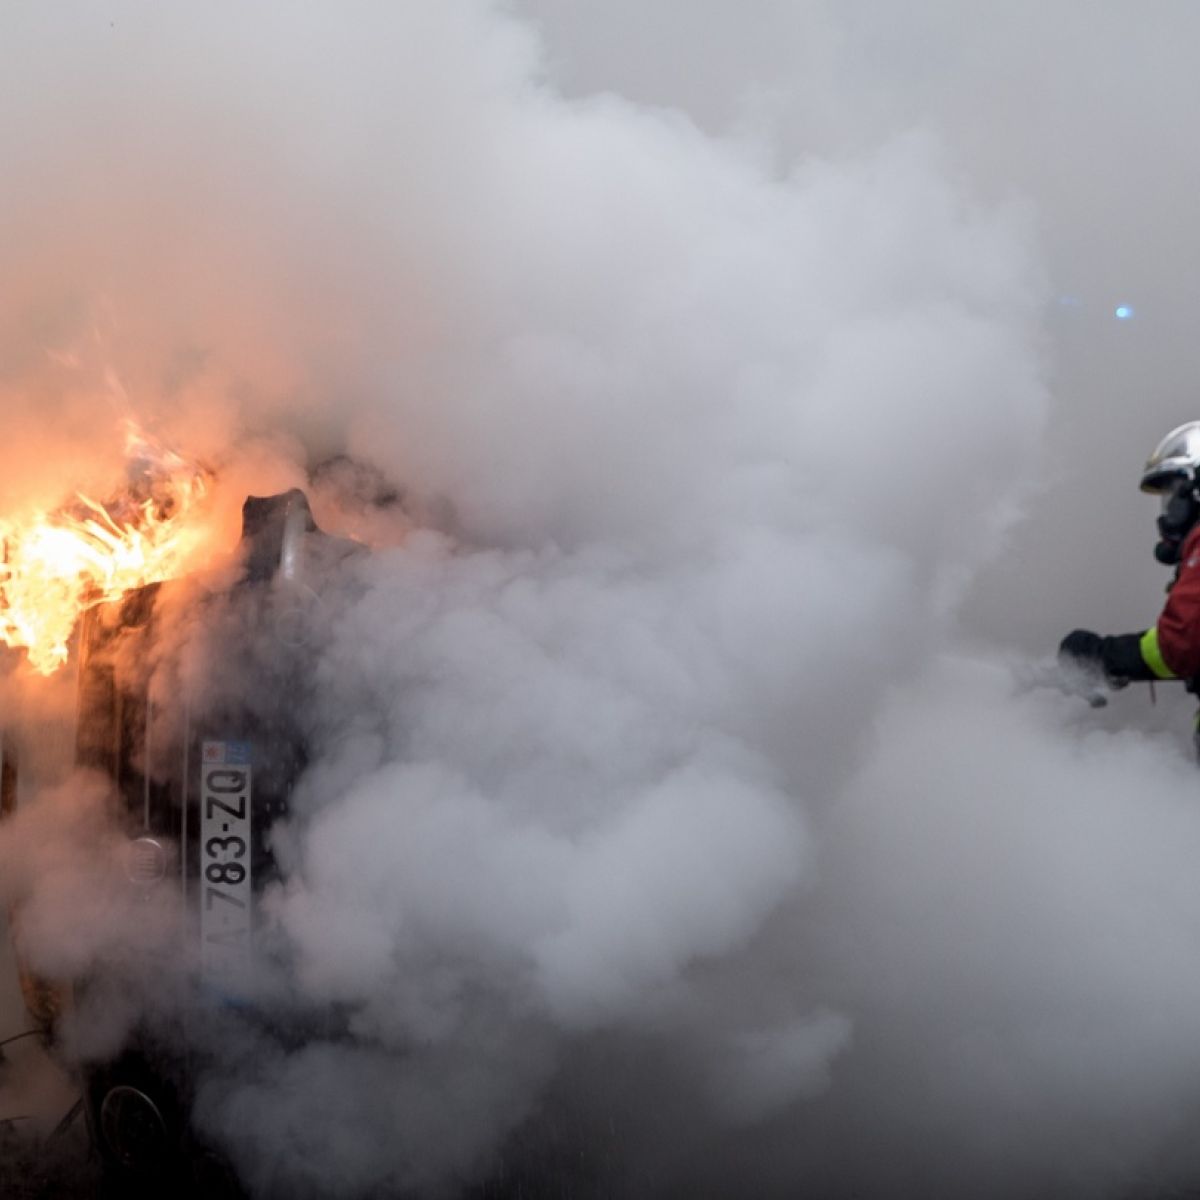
{"x": 1180, "y": 511}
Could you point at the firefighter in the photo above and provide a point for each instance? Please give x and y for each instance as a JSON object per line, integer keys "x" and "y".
{"x": 1170, "y": 648}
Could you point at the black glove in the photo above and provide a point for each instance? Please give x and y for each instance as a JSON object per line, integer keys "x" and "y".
{"x": 1101, "y": 657}
{"x": 1082, "y": 648}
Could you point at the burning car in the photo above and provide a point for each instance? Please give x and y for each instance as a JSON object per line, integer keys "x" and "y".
{"x": 192, "y": 706}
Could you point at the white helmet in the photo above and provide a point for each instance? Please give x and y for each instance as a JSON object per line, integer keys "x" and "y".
{"x": 1176, "y": 456}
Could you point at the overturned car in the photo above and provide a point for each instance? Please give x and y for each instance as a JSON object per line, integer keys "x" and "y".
{"x": 194, "y": 707}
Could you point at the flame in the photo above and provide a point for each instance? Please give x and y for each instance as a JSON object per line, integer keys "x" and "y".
{"x": 56, "y": 565}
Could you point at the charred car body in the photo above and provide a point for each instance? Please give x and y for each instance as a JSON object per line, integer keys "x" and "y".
{"x": 193, "y": 707}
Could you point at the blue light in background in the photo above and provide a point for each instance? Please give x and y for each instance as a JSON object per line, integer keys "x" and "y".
{"x": 1123, "y": 312}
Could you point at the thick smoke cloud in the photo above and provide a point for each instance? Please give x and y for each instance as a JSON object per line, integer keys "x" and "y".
{"x": 1082, "y": 109}
{"x": 664, "y": 834}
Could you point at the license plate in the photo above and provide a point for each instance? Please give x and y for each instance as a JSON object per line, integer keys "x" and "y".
{"x": 226, "y": 910}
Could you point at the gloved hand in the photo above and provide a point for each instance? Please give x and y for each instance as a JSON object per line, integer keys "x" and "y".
{"x": 1081, "y": 648}
{"x": 1083, "y": 651}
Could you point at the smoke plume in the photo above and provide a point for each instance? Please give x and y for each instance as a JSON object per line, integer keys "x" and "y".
{"x": 673, "y": 824}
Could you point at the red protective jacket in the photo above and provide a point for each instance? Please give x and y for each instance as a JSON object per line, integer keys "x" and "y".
{"x": 1178, "y": 627}
{"x": 1169, "y": 649}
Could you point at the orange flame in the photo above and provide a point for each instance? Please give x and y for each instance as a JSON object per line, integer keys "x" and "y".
{"x": 54, "y": 566}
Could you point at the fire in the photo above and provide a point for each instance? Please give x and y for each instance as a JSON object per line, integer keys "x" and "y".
{"x": 55, "y": 565}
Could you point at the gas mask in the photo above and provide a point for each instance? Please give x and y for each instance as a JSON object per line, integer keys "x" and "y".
{"x": 1180, "y": 510}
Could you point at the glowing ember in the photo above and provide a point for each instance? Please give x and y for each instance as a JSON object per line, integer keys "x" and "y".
{"x": 56, "y": 565}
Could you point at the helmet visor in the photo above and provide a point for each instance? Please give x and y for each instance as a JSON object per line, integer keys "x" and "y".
{"x": 1162, "y": 481}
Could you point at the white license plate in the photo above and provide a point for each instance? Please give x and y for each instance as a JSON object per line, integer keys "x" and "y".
{"x": 226, "y": 910}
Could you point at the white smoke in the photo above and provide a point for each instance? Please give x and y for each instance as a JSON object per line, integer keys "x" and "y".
{"x": 664, "y": 833}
